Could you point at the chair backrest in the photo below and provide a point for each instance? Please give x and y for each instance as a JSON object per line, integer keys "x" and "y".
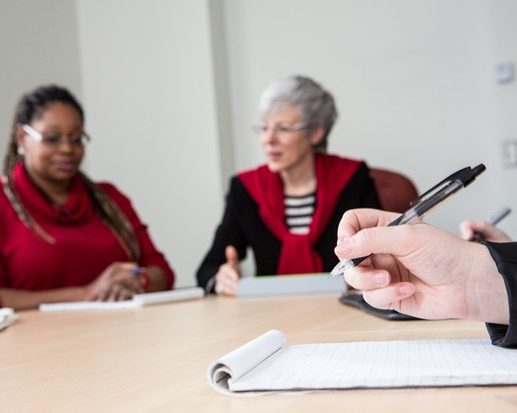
{"x": 395, "y": 190}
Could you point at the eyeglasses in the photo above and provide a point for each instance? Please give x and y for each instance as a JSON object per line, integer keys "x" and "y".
{"x": 280, "y": 129}
{"x": 77, "y": 140}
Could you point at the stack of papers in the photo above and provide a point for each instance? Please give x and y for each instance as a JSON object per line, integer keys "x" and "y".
{"x": 7, "y": 317}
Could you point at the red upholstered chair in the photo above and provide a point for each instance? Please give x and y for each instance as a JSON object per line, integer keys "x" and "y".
{"x": 395, "y": 190}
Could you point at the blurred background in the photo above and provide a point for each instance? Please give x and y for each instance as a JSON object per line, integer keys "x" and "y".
{"x": 170, "y": 90}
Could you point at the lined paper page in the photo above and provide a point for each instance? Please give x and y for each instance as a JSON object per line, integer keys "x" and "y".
{"x": 383, "y": 364}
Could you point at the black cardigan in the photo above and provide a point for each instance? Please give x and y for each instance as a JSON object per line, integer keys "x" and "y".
{"x": 242, "y": 227}
{"x": 505, "y": 257}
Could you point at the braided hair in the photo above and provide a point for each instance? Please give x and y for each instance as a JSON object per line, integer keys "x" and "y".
{"x": 31, "y": 106}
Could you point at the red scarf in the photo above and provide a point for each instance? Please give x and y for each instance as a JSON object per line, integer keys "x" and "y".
{"x": 77, "y": 208}
{"x": 297, "y": 254}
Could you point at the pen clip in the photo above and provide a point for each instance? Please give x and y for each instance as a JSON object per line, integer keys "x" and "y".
{"x": 465, "y": 175}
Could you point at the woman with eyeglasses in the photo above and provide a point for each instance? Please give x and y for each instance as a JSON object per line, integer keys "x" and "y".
{"x": 287, "y": 211}
{"x": 64, "y": 237}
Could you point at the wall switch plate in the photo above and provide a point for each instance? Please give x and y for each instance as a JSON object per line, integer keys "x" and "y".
{"x": 509, "y": 151}
{"x": 504, "y": 72}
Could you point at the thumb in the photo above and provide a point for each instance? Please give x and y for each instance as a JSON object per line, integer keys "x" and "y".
{"x": 467, "y": 230}
{"x": 232, "y": 257}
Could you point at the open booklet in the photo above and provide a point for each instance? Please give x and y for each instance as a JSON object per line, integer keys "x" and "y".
{"x": 267, "y": 364}
{"x": 139, "y": 300}
{"x": 289, "y": 284}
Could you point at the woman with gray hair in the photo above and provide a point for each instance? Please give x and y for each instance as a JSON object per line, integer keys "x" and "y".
{"x": 287, "y": 211}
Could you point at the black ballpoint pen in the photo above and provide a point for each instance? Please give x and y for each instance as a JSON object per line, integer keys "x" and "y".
{"x": 423, "y": 204}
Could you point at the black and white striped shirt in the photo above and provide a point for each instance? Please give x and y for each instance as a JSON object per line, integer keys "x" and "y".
{"x": 298, "y": 212}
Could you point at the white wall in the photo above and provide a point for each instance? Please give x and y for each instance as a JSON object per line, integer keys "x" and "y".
{"x": 502, "y": 15}
{"x": 149, "y": 77}
{"x": 38, "y": 45}
{"x": 149, "y": 94}
{"x": 170, "y": 90}
{"x": 413, "y": 81}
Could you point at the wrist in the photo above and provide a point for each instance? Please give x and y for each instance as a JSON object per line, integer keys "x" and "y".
{"x": 84, "y": 293}
{"x": 487, "y": 299}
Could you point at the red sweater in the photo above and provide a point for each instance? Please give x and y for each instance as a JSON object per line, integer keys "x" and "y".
{"x": 84, "y": 245}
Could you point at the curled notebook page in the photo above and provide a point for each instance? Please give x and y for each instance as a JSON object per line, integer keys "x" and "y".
{"x": 234, "y": 365}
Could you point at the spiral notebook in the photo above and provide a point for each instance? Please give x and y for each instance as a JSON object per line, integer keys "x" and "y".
{"x": 266, "y": 364}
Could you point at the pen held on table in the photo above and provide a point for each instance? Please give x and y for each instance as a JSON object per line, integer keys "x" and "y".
{"x": 136, "y": 271}
{"x": 496, "y": 218}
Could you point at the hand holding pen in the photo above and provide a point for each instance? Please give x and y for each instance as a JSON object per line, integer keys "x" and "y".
{"x": 485, "y": 230}
{"x": 423, "y": 204}
{"x": 119, "y": 281}
{"x": 420, "y": 270}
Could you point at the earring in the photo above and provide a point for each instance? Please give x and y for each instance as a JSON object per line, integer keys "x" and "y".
{"x": 20, "y": 151}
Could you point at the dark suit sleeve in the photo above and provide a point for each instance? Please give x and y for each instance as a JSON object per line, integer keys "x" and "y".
{"x": 229, "y": 232}
{"x": 505, "y": 257}
{"x": 368, "y": 197}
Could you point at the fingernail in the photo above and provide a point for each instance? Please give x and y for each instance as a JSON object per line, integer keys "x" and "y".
{"x": 380, "y": 279}
{"x": 406, "y": 289}
{"x": 344, "y": 247}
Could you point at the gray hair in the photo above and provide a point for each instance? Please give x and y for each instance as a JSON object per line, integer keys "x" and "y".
{"x": 315, "y": 104}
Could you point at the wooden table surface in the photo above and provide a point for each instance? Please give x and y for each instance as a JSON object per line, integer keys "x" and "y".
{"x": 155, "y": 359}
